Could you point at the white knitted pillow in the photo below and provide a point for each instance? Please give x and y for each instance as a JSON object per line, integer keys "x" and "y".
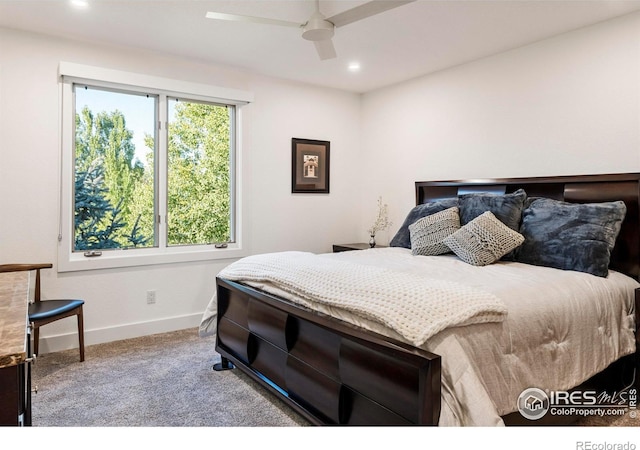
{"x": 428, "y": 232}
{"x": 484, "y": 240}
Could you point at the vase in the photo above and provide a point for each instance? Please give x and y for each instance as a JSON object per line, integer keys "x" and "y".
{"x": 372, "y": 241}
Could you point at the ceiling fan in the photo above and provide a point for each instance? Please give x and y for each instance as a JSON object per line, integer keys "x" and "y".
{"x": 319, "y": 29}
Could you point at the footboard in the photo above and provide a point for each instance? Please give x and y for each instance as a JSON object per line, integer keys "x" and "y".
{"x": 327, "y": 370}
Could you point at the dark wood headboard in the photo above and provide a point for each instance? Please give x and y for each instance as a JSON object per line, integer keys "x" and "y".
{"x": 625, "y": 257}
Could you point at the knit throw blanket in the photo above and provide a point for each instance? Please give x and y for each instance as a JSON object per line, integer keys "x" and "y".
{"x": 416, "y": 307}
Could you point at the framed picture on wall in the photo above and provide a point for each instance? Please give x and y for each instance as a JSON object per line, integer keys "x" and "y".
{"x": 309, "y": 166}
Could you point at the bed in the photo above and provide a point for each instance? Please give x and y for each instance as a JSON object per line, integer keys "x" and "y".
{"x": 539, "y": 316}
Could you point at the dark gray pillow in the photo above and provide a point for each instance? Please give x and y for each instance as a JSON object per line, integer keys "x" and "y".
{"x": 570, "y": 236}
{"x": 403, "y": 238}
{"x": 507, "y": 207}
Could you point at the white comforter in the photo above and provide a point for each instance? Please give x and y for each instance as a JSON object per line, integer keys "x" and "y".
{"x": 561, "y": 328}
{"x": 414, "y": 305}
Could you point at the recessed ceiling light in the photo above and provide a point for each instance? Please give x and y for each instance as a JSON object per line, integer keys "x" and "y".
{"x": 80, "y": 4}
{"x": 354, "y": 66}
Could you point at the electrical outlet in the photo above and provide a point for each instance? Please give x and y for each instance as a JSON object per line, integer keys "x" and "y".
{"x": 151, "y": 297}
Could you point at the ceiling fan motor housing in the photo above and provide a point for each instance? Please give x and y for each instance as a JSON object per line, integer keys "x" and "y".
{"x": 318, "y": 29}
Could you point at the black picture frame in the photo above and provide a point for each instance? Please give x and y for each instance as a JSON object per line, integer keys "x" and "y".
{"x": 310, "y": 166}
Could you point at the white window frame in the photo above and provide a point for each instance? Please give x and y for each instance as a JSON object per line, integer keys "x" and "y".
{"x": 68, "y": 260}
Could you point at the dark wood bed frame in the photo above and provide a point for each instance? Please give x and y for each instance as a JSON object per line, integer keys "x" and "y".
{"x": 334, "y": 373}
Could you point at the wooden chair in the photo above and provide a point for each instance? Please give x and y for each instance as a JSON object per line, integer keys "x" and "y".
{"x": 42, "y": 312}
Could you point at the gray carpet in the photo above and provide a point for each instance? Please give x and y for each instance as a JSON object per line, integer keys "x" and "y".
{"x": 159, "y": 380}
{"x": 164, "y": 380}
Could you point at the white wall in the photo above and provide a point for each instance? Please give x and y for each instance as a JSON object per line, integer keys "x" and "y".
{"x": 562, "y": 106}
{"x": 277, "y": 220}
{"x": 302, "y": 221}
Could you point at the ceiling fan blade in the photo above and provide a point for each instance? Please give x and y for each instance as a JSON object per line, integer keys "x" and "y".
{"x": 325, "y": 49}
{"x": 263, "y": 20}
{"x": 366, "y": 10}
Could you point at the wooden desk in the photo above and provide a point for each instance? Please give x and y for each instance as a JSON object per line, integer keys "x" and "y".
{"x": 15, "y": 349}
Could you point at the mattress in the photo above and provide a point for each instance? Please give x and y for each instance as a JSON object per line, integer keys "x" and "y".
{"x": 561, "y": 328}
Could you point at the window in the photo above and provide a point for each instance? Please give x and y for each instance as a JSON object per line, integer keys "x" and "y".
{"x": 114, "y": 202}
{"x": 149, "y": 174}
{"x": 200, "y": 152}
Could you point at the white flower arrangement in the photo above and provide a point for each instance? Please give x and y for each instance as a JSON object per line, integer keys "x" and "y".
{"x": 382, "y": 221}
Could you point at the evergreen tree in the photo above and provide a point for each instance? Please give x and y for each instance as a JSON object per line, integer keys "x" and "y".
{"x": 96, "y": 221}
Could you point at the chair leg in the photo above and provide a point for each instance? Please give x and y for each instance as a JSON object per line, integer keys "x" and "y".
{"x": 36, "y": 340}
{"x": 81, "y": 334}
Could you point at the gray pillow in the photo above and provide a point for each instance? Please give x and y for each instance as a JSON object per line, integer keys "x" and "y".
{"x": 570, "y": 236}
{"x": 402, "y": 237}
{"x": 507, "y": 207}
{"x": 484, "y": 240}
{"x": 428, "y": 233}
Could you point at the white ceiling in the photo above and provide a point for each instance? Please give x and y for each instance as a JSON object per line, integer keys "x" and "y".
{"x": 397, "y": 45}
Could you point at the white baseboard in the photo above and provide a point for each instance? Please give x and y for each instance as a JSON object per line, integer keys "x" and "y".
{"x": 56, "y": 343}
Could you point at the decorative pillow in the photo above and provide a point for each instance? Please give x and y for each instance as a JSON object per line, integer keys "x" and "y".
{"x": 403, "y": 237}
{"x": 484, "y": 240}
{"x": 507, "y": 207}
{"x": 570, "y": 236}
{"x": 428, "y": 233}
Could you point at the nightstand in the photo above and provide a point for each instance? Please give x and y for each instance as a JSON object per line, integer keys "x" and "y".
{"x": 347, "y": 247}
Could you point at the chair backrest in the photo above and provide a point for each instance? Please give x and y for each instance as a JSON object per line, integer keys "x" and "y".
{"x": 27, "y": 267}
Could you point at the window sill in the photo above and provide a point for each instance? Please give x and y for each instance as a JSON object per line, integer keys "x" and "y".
{"x": 146, "y": 257}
